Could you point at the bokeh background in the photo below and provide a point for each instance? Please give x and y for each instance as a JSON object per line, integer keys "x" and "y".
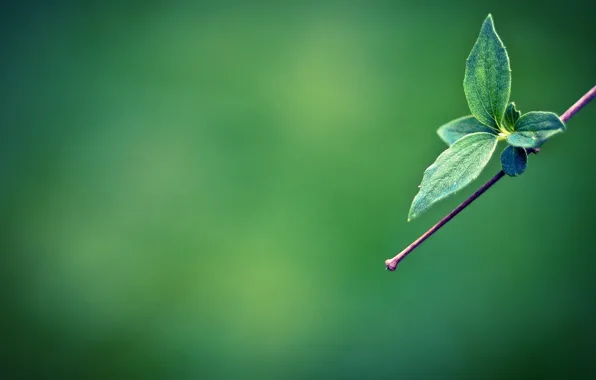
{"x": 210, "y": 190}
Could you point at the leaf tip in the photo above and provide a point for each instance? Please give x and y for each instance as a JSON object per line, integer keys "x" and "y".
{"x": 563, "y": 124}
{"x": 489, "y": 19}
{"x": 412, "y": 214}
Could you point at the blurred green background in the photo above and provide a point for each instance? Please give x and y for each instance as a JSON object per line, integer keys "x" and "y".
{"x": 210, "y": 191}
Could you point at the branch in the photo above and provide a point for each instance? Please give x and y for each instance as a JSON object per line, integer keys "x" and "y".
{"x": 392, "y": 263}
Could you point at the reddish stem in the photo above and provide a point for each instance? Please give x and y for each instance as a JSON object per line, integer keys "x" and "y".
{"x": 391, "y": 264}
{"x": 579, "y": 104}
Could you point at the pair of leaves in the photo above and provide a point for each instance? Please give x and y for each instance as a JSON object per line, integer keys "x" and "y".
{"x": 528, "y": 131}
{"x": 473, "y": 139}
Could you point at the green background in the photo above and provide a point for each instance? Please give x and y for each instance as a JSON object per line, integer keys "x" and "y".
{"x": 210, "y": 191}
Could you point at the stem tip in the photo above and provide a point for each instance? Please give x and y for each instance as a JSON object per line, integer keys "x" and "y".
{"x": 390, "y": 264}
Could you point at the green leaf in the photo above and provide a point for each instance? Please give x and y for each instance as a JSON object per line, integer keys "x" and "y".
{"x": 455, "y": 168}
{"x": 511, "y": 116}
{"x": 514, "y": 160}
{"x": 487, "y": 82}
{"x": 534, "y": 128}
{"x": 458, "y": 128}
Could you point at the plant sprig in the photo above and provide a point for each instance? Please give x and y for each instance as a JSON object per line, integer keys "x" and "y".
{"x": 472, "y": 139}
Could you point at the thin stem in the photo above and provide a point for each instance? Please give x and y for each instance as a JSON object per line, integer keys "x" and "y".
{"x": 579, "y": 104}
{"x": 392, "y": 263}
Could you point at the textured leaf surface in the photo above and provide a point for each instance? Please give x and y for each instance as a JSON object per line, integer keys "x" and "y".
{"x": 514, "y": 160}
{"x": 534, "y": 128}
{"x": 455, "y": 168}
{"x": 487, "y": 82}
{"x": 458, "y": 128}
{"x": 511, "y": 116}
